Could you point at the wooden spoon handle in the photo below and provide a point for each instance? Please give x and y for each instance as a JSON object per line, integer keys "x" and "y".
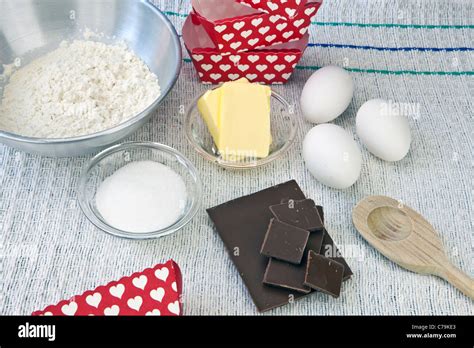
{"x": 458, "y": 278}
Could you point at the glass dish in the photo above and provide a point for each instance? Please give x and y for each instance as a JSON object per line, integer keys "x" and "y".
{"x": 110, "y": 160}
{"x": 283, "y": 129}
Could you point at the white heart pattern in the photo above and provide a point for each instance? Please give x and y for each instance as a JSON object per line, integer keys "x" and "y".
{"x": 206, "y": 67}
{"x": 270, "y": 38}
{"x": 251, "y": 77}
{"x": 309, "y": 11}
{"x": 162, "y": 273}
{"x": 289, "y": 59}
{"x": 288, "y": 34}
{"x": 114, "y": 310}
{"x": 69, "y": 308}
{"x": 117, "y": 290}
{"x": 235, "y": 45}
{"x": 216, "y": 58}
{"x": 290, "y": 11}
{"x": 298, "y": 22}
{"x": 272, "y": 59}
{"x": 135, "y": 303}
{"x": 239, "y": 25}
{"x": 155, "y": 312}
{"x": 224, "y": 67}
{"x": 198, "y": 57}
{"x": 220, "y": 28}
{"x": 246, "y": 33}
{"x": 253, "y": 59}
{"x": 261, "y": 67}
{"x": 253, "y": 42}
{"x": 215, "y": 77}
{"x": 140, "y": 282}
{"x": 274, "y": 18}
{"x": 157, "y": 294}
{"x": 228, "y": 37}
{"x": 264, "y": 30}
{"x": 235, "y": 58}
{"x": 280, "y": 67}
{"x": 174, "y": 287}
{"x": 272, "y": 6}
{"x": 257, "y": 21}
{"x": 281, "y": 26}
{"x": 94, "y": 300}
{"x": 232, "y": 77}
{"x": 269, "y": 77}
{"x": 243, "y": 67}
{"x": 174, "y": 307}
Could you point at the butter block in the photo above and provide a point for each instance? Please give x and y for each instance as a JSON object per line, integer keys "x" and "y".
{"x": 237, "y": 115}
{"x": 244, "y": 121}
{"x": 208, "y": 106}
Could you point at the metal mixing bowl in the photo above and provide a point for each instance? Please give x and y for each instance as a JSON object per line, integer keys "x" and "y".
{"x": 31, "y": 28}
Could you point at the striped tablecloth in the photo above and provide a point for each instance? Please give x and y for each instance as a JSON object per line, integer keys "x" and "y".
{"x": 417, "y": 52}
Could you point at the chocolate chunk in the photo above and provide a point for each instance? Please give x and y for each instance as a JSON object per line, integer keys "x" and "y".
{"x": 286, "y": 275}
{"x": 330, "y": 250}
{"x": 284, "y": 242}
{"x": 302, "y": 214}
{"x": 242, "y": 224}
{"x": 324, "y": 274}
{"x": 320, "y": 212}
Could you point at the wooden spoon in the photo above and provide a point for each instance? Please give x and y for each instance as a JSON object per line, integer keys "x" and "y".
{"x": 405, "y": 237}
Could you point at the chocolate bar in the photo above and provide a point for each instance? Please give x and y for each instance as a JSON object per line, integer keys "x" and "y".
{"x": 284, "y": 242}
{"x": 302, "y": 214}
{"x": 242, "y": 224}
{"x": 324, "y": 274}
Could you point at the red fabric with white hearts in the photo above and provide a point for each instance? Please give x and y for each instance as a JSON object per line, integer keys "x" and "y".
{"x": 242, "y": 33}
{"x": 155, "y": 291}
{"x": 284, "y": 8}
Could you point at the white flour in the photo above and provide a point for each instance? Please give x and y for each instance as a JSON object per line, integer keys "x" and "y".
{"x": 80, "y": 88}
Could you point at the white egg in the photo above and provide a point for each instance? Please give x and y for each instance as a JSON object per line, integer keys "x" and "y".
{"x": 326, "y": 94}
{"x": 332, "y": 156}
{"x": 383, "y": 129}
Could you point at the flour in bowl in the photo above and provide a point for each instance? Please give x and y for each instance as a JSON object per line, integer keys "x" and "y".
{"x": 80, "y": 88}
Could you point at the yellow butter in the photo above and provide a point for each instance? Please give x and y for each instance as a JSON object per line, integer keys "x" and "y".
{"x": 237, "y": 115}
{"x": 244, "y": 121}
{"x": 208, "y": 106}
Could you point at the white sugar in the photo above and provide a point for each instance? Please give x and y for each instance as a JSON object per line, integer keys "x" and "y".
{"x": 142, "y": 197}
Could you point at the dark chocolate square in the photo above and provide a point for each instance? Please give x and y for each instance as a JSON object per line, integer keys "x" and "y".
{"x": 286, "y": 275}
{"x": 329, "y": 249}
{"x": 284, "y": 242}
{"x": 302, "y": 214}
{"x": 324, "y": 274}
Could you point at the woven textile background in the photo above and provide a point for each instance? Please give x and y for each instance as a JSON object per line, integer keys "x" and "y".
{"x": 50, "y": 251}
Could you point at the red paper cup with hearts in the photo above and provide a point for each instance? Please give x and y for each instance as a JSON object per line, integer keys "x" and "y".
{"x": 234, "y": 27}
{"x": 287, "y": 9}
{"x": 271, "y": 65}
{"x": 153, "y": 291}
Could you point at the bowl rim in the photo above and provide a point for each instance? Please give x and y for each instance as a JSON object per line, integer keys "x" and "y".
{"x": 241, "y": 165}
{"x": 130, "y": 121}
{"x": 177, "y": 225}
